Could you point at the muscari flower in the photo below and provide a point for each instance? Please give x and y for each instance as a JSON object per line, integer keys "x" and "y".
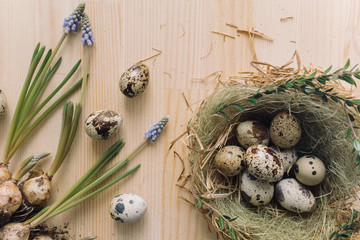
{"x": 72, "y": 22}
{"x": 87, "y": 37}
{"x": 156, "y": 129}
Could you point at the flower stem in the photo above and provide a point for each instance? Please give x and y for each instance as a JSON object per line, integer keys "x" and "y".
{"x": 105, "y": 157}
{"x": 27, "y": 165}
{"x": 69, "y": 204}
{"x": 86, "y": 73}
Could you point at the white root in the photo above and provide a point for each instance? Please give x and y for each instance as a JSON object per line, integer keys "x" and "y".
{"x": 15, "y": 231}
{"x": 42, "y": 237}
{"x": 37, "y": 190}
{"x": 5, "y": 174}
{"x": 10, "y": 198}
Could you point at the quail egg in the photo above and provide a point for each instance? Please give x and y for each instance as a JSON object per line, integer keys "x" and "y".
{"x": 287, "y": 156}
{"x": 103, "y": 124}
{"x": 255, "y": 191}
{"x": 134, "y": 80}
{"x": 230, "y": 160}
{"x": 294, "y": 196}
{"x": 263, "y": 163}
{"x": 309, "y": 170}
{"x": 285, "y": 130}
{"x": 127, "y": 208}
{"x": 250, "y": 133}
{"x": 3, "y": 104}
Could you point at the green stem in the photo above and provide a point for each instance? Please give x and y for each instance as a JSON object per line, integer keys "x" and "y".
{"x": 41, "y": 106}
{"x": 27, "y": 165}
{"x": 39, "y": 120}
{"x": 47, "y": 66}
{"x": 69, "y": 204}
{"x": 64, "y": 135}
{"x": 20, "y": 103}
{"x": 86, "y": 73}
{"x": 29, "y": 103}
{"x": 115, "y": 148}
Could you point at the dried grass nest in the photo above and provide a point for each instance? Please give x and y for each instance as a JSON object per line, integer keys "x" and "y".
{"x": 324, "y": 127}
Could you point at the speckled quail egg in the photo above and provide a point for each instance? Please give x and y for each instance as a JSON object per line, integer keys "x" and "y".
{"x": 3, "y": 104}
{"x": 255, "y": 191}
{"x": 285, "y": 130}
{"x": 134, "y": 80}
{"x": 309, "y": 170}
{"x": 103, "y": 124}
{"x": 287, "y": 156}
{"x": 263, "y": 163}
{"x": 250, "y": 133}
{"x": 294, "y": 196}
{"x": 127, "y": 208}
{"x": 230, "y": 160}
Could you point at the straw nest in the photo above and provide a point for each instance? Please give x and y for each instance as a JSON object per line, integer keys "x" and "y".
{"x": 324, "y": 127}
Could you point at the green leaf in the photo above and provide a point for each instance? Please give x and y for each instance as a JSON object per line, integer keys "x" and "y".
{"x": 224, "y": 114}
{"x": 324, "y": 98}
{"x": 252, "y": 100}
{"x": 199, "y": 203}
{"x": 347, "y": 78}
{"x": 321, "y": 80}
{"x": 357, "y": 75}
{"x": 329, "y": 90}
{"x": 281, "y": 89}
{"x": 326, "y": 71}
{"x": 347, "y": 64}
{"x": 297, "y": 87}
{"x": 348, "y": 134}
{"x": 351, "y": 117}
{"x": 221, "y": 223}
{"x": 333, "y": 235}
{"x": 288, "y": 85}
{"x": 232, "y": 233}
{"x": 301, "y": 80}
{"x": 311, "y": 76}
{"x": 319, "y": 93}
{"x": 238, "y": 106}
{"x": 220, "y": 107}
{"x": 349, "y": 103}
{"x": 227, "y": 217}
{"x": 335, "y": 99}
{"x": 309, "y": 90}
{"x": 356, "y": 101}
{"x": 233, "y": 219}
{"x": 358, "y": 108}
{"x": 310, "y": 83}
{"x": 356, "y": 144}
{"x": 335, "y": 77}
{"x": 271, "y": 88}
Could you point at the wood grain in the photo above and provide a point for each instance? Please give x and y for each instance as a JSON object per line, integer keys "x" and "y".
{"x": 323, "y": 32}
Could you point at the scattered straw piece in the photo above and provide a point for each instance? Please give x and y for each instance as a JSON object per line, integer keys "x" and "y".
{"x": 285, "y": 19}
{"x": 182, "y": 27}
{"x": 211, "y": 47}
{"x": 223, "y": 34}
{"x": 153, "y": 56}
{"x": 231, "y": 25}
{"x": 256, "y": 34}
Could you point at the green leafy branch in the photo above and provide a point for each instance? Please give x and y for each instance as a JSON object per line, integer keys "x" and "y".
{"x": 224, "y": 223}
{"x": 345, "y": 231}
{"x": 317, "y": 84}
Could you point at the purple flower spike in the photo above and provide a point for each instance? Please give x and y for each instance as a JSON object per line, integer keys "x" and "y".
{"x": 87, "y": 37}
{"x": 72, "y": 22}
{"x": 156, "y": 129}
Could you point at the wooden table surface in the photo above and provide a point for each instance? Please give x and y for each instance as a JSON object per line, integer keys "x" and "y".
{"x": 323, "y": 32}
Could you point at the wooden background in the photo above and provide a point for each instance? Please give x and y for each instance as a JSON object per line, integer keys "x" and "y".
{"x": 323, "y": 32}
